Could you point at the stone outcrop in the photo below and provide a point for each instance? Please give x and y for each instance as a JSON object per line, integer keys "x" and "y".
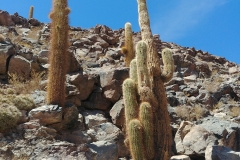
{"x": 204, "y": 86}
{"x": 220, "y": 153}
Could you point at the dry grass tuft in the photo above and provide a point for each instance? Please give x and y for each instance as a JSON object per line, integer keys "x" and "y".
{"x": 2, "y": 38}
{"x": 23, "y": 86}
{"x": 213, "y": 85}
{"x": 235, "y": 111}
{"x": 218, "y": 105}
{"x": 189, "y": 113}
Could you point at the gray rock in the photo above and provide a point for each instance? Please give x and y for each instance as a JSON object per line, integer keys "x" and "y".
{"x": 19, "y": 66}
{"x": 180, "y": 157}
{"x": 39, "y": 97}
{"x": 76, "y": 137}
{"x": 105, "y": 132}
{"x": 117, "y": 113}
{"x": 47, "y": 114}
{"x": 96, "y": 38}
{"x": 82, "y": 42}
{"x": 191, "y": 78}
{"x": 192, "y": 139}
{"x": 221, "y": 153}
{"x": 6, "y": 51}
{"x": 84, "y": 83}
{"x": 111, "y": 81}
{"x": 105, "y": 150}
{"x": 42, "y": 56}
{"x": 227, "y": 131}
{"x": 93, "y": 118}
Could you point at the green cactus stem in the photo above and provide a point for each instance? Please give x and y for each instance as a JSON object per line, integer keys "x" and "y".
{"x": 128, "y": 50}
{"x": 58, "y": 53}
{"x": 130, "y": 100}
{"x": 146, "y": 119}
{"x": 136, "y": 140}
{"x": 168, "y": 64}
{"x": 133, "y": 71}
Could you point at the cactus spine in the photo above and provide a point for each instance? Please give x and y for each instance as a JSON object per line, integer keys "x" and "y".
{"x": 30, "y": 12}
{"x": 152, "y": 113}
{"x": 128, "y": 47}
{"x": 58, "y": 53}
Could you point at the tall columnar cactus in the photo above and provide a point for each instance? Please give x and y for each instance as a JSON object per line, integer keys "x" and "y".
{"x": 30, "y": 12}
{"x": 150, "y": 103}
{"x": 128, "y": 50}
{"x": 58, "y": 53}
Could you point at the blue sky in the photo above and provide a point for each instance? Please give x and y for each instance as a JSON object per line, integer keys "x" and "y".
{"x": 209, "y": 25}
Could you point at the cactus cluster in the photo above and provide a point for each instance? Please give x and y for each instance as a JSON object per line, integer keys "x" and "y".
{"x": 58, "y": 53}
{"x": 127, "y": 49}
{"x": 146, "y": 115}
{"x": 139, "y": 101}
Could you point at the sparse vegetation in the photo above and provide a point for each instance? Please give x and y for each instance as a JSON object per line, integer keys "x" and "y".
{"x": 22, "y": 102}
{"x": 23, "y": 86}
{"x": 218, "y": 105}
{"x": 189, "y": 113}
{"x": 9, "y": 115}
{"x": 235, "y": 111}
{"x": 212, "y": 85}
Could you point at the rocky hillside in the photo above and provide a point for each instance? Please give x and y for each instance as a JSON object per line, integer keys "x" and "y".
{"x": 203, "y": 97}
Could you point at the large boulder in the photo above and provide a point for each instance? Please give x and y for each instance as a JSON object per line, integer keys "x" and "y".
{"x": 93, "y": 118}
{"x": 20, "y": 66}
{"x": 84, "y": 82}
{"x": 48, "y": 114}
{"x": 6, "y": 51}
{"x": 226, "y": 131}
{"x": 221, "y": 153}
{"x": 105, "y": 150}
{"x": 117, "y": 113}
{"x": 193, "y": 139}
{"x": 111, "y": 80}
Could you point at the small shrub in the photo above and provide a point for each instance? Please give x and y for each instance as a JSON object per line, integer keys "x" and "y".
{"x": 9, "y": 115}
{"x": 189, "y": 113}
{"x": 218, "y": 105}
{"x": 183, "y": 112}
{"x": 199, "y": 112}
{"x": 23, "y": 102}
{"x": 213, "y": 85}
{"x": 235, "y": 111}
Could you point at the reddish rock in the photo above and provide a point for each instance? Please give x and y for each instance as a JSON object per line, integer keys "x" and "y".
{"x": 5, "y": 19}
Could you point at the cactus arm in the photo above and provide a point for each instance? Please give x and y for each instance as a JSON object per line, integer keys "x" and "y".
{"x": 144, "y": 91}
{"x": 135, "y": 131}
{"x": 146, "y": 119}
{"x": 133, "y": 71}
{"x": 130, "y": 100}
{"x": 128, "y": 47}
{"x": 142, "y": 71}
{"x": 168, "y": 65}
